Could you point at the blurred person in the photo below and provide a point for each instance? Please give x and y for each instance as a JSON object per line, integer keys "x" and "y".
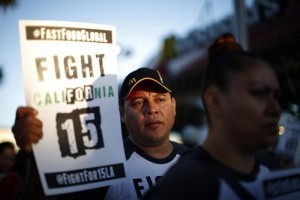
{"x": 148, "y": 110}
{"x": 194, "y": 135}
{"x": 195, "y": 132}
{"x": 7, "y": 157}
{"x": 240, "y": 94}
{"x": 10, "y": 180}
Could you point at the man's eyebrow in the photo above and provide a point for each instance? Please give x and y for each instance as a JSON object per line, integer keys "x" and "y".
{"x": 136, "y": 97}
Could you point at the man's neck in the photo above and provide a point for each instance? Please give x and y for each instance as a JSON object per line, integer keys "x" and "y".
{"x": 158, "y": 151}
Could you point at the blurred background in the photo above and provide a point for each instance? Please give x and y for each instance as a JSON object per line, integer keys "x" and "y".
{"x": 171, "y": 36}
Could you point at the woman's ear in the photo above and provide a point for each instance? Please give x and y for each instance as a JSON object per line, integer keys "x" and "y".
{"x": 212, "y": 101}
{"x": 121, "y": 109}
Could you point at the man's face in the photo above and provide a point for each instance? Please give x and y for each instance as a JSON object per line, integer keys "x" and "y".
{"x": 149, "y": 114}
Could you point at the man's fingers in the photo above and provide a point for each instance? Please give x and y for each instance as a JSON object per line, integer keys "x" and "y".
{"x": 34, "y": 137}
{"x": 27, "y": 128}
{"x": 27, "y": 125}
{"x": 22, "y": 141}
{"x": 25, "y": 111}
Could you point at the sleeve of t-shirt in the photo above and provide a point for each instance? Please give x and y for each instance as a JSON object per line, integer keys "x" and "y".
{"x": 117, "y": 192}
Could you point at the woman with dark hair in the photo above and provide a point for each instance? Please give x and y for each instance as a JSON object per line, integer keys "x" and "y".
{"x": 7, "y": 158}
{"x": 10, "y": 178}
{"x": 240, "y": 94}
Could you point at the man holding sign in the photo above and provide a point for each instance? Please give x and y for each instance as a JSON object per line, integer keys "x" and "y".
{"x": 148, "y": 110}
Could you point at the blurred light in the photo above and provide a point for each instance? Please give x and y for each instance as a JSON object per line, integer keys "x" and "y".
{"x": 281, "y": 130}
{"x": 175, "y": 137}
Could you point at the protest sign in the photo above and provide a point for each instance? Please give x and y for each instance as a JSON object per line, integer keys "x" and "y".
{"x": 70, "y": 77}
{"x": 281, "y": 185}
{"x": 290, "y": 140}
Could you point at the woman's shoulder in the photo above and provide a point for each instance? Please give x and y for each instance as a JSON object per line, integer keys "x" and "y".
{"x": 192, "y": 163}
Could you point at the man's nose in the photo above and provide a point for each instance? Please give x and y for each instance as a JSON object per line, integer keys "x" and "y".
{"x": 151, "y": 107}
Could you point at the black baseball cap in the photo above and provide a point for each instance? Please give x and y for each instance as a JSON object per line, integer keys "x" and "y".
{"x": 138, "y": 76}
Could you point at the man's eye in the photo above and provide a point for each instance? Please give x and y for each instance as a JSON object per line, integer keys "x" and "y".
{"x": 137, "y": 102}
{"x": 161, "y": 99}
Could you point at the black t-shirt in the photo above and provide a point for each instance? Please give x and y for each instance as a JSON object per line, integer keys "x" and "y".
{"x": 197, "y": 175}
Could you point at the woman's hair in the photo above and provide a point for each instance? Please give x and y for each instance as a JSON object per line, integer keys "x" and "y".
{"x": 223, "y": 60}
{"x": 225, "y": 43}
{"x": 225, "y": 57}
{"x": 5, "y": 145}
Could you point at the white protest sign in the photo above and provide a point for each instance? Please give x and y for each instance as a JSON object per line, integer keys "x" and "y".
{"x": 281, "y": 185}
{"x": 70, "y": 77}
{"x": 288, "y": 142}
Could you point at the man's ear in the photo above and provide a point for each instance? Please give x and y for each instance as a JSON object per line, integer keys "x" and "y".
{"x": 212, "y": 101}
{"x": 174, "y": 105}
{"x": 121, "y": 109}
